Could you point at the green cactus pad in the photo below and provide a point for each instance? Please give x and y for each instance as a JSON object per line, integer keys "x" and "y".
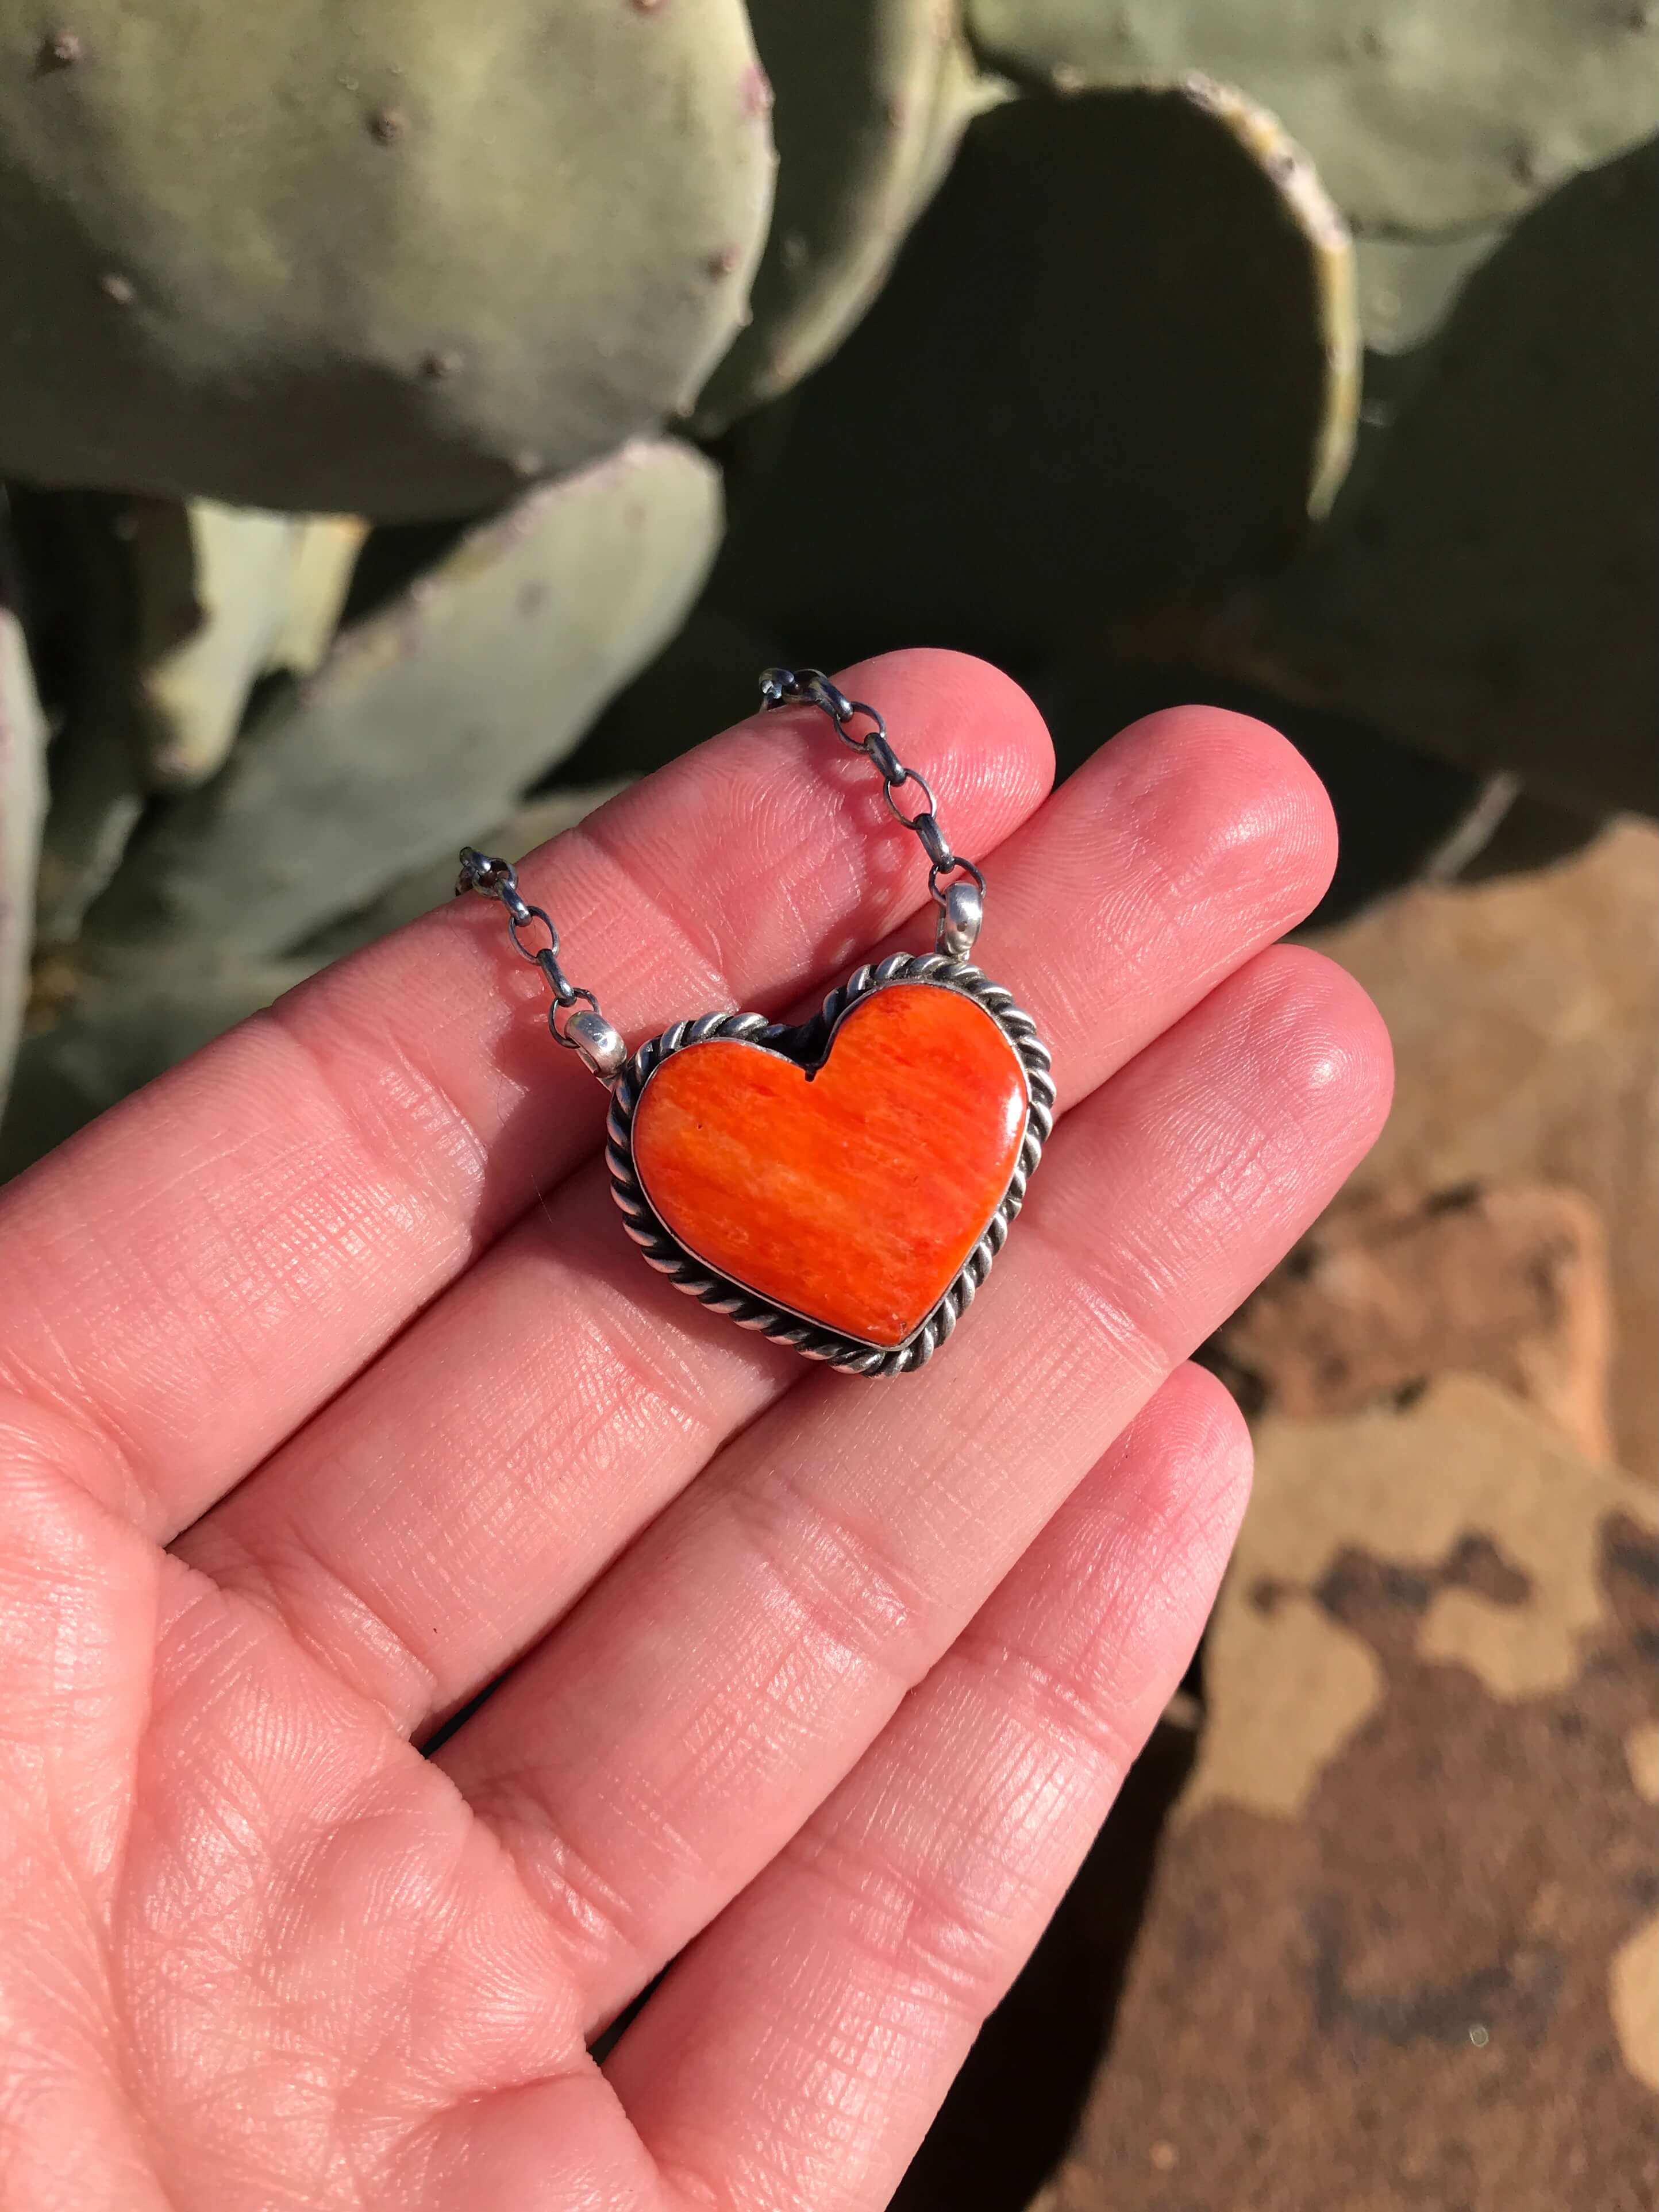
{"x": 385, "y": 257}
{"x": 428, "y": 718}
{"x": 1407, "y": 286}
{"x": 263, "y": 592}
{"x": 857, "y": 89}
{"x": 1422, "y": 116}
{"x": 1116, "y": 364}
{"x": 963, "y": 91}
{"x": 1488, "y": 591}
{"x": 22, "y": 804}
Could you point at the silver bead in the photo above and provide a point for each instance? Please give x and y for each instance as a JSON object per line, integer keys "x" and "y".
{"x": 599, "y": 1047}
{"x": 959, "y": 920}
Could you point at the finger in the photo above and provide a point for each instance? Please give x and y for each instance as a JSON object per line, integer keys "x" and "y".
{"x": 673, "y": 1733}
{"x": 568, "y": 1395}
{"x": 196, "y": 1272}
{"x": 910, "y": 1899}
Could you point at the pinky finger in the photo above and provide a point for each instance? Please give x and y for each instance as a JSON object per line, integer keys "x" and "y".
{"x": 792, "y": 2060}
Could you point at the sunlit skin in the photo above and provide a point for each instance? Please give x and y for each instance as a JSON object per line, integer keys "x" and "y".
{"x": 332, "y": 1391}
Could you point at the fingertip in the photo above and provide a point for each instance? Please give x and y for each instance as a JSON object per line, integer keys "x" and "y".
{"x": 1331, "y": 1049}
{"x": 1189, "y": 1456}
{"x": 1241, "y": 788}
{"x": 1201, "y": 1424}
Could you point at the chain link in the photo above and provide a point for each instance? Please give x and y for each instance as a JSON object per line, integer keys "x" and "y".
{"x": 499, "y": 879}
{"x": 960, "y": 902}
{"x": 794, "y": 687}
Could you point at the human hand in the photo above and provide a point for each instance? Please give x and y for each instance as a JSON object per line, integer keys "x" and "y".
{"x": 820, "y": 1689}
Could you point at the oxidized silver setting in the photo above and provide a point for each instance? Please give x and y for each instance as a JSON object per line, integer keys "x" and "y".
{"x": 808, "y": 1044}
{"x": 956, "y": 887}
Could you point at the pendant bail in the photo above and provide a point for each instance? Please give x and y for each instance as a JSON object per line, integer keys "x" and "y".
{"x": 599, "y": 1047}
{"x": 961, "y": 916}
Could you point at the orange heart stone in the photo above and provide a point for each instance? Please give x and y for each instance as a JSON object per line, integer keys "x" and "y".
{"x": 850, "y": 1193}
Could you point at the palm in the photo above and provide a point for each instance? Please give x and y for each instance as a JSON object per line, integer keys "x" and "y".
{"x": 835, "y": 1678}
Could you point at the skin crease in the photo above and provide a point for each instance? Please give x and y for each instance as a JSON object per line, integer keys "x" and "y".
{"x": 820, "y": 1689}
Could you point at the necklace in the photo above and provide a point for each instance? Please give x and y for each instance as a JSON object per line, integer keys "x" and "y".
{"x": 841, "y": 1186}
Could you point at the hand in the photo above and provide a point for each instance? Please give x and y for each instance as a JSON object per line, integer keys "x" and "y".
{"x": 333, "y": 1391}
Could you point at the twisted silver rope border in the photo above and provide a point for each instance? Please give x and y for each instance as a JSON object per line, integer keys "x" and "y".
{"x": 663, "y": 1250}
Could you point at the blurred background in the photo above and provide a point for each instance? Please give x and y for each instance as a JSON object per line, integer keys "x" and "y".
{"x": 415, "y": 422}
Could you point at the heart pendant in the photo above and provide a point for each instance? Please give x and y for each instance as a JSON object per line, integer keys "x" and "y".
{"x": 843, "y": 1187}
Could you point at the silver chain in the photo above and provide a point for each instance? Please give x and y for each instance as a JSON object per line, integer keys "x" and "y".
{"x": 584, "y": 1030}
{"x": 794, "y": 687}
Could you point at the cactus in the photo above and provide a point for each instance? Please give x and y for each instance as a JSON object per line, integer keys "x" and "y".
{"x": 428, "y": 719}
{"x": 273, "y": 268}
{"x": 172, "y": 612}
{"x": 23, "y": 794}
{"x": 1407, "y": 285}
{"x": 1116, "y": 362}
{"x": 1423, "y": 116}
{"x": 1429, "y": 120}
{"x": 1330, "y": 252}
{"x": 1486, "y": 589}
{"x": 962, "y": 91}
{"x": 857, "y": 86}
{"x": 226, "y": 595}
{"x": 389, "y": 259}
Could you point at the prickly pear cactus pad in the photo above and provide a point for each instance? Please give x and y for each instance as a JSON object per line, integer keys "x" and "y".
{"x": 963, "y": 91}
{"x": 1423, "y": 116}
{"x": 22, "y": 801}
{"x": 856, "y": 85}
{"x": 385, "y": 257}
{"x": 1407, "y": 285}
{"x": 263, "y": 592}
{"x": 1488, "y": 592}
{"x": 428, "y": 719}
{"x": 1116, "y": 364}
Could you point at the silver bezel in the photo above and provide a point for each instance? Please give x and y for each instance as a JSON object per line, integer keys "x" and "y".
{"x": 807, "y": 1046}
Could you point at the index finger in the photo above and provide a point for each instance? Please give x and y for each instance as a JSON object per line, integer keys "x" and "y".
{"x": 191, "y": 1277}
